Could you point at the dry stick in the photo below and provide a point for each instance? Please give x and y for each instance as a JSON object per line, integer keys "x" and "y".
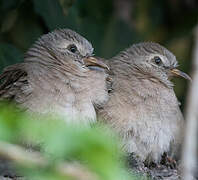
{"x": 190, "y": 141}
{"x": 25, "y": 158}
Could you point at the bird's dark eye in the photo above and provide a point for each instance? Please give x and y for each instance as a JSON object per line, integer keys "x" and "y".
{"x": 157, "y": 60}
{"x": 72, "y": 48}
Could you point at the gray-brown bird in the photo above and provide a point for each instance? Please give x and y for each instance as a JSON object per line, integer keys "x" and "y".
{"x": 59, "y": 75}
{"x": 143, "y": 107}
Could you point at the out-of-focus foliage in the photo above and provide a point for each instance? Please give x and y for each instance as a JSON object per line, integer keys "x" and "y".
{"x": 8, "y": 58}
{"x": 96, "y": 148}
{"x": 110, "y": 25}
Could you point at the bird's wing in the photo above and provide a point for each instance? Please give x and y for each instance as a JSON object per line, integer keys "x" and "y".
{"x": 14, "y": 83}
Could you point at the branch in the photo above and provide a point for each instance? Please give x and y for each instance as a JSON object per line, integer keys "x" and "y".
{"x": 25, "y": 158}
{"x": 190, "y": 141}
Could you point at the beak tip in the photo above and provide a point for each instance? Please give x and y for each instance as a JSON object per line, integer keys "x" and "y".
{"x": 92, "y": 61}
{"x": 177, "y": 72}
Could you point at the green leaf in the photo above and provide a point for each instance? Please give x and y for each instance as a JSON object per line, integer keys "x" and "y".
{"x": 96, "y": 148}
{"x": 9, "y": 122}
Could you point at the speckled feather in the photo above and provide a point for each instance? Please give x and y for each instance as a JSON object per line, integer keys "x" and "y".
{"x": 143, "y": 107}
{"x": 53, "y": 80}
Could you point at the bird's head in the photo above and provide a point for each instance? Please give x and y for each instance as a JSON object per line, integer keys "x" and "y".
{"x": 68, "y": 48}
{"x": 67, "y": 57}
{"x": 151, "y": 60}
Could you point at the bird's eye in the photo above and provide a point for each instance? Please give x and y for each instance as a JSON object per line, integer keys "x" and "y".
{"x": 72, "y": 48}
{"x": 157, "y": 60}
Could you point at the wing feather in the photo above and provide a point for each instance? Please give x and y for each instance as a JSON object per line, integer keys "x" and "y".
{"x": 14, "y": 83}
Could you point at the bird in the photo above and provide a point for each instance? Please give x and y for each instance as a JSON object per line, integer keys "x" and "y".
{"x": 142, "y": 107}
{"x": 59, "y": 75}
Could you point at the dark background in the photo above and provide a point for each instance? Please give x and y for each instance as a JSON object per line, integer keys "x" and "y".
{"x": 111, "y": 26}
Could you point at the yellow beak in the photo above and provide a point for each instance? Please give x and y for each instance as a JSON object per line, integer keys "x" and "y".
{"x": 92, "y": 61}
{"x": 178, "y": 73}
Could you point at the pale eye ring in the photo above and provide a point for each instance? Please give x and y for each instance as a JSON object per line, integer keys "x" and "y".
{"x": 72, "y": 48}
{"x": 157, "y": 60}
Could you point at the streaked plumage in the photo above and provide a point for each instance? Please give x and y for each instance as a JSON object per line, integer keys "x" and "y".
{"x": 54, "y": 78}
{"x": 143, "y": 107}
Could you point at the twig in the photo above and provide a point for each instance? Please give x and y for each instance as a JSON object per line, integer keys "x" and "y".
{"x": 190, "y": 141}
{"x": 25, "y": 158}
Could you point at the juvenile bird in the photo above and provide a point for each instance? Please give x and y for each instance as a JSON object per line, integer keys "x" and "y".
{"x": 143, "y": 107}
{"x": 59, "y": 75}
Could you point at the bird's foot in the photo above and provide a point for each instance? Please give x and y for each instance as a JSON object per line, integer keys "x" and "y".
{"x": 158, "y": 171}
{"x": 168, "y": 161}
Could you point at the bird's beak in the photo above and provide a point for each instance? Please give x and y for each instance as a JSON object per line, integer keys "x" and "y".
{"x": 178, "y": 73}
{"x": 92, "y": 61}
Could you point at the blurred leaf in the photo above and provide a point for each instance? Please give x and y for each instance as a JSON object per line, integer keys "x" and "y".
{"x": 10, "y": 118}
{"x": 95, "y": 148}
{"x": 51, "y": 12}
{"x": 9, "y": 20}
{"x": 115, "y": 40}
{"x": 37, "y": 174}
{"x": 27, "y": 28}
{"x": 8, "y": 4}
{"x": 98, "y": 11}
{"x": 25, "y": 33}
{"x": 65, "y": 4}
{"x": 63, "y": 141}
{"x": 9, "y": 55}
